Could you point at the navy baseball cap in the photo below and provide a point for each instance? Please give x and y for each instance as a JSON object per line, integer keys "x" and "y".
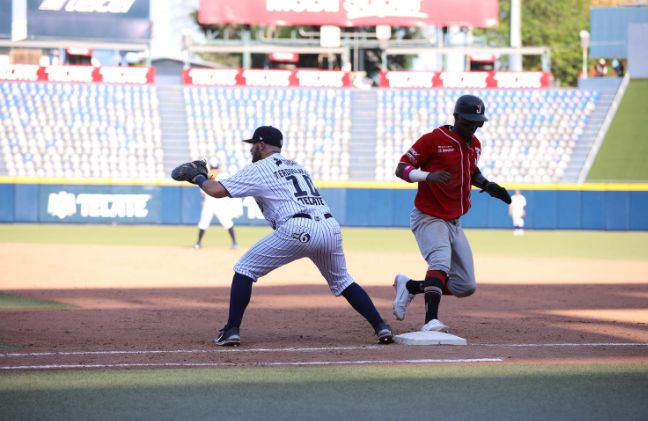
{"x": 267, "y": 134}
{"x": 471, "y": 108}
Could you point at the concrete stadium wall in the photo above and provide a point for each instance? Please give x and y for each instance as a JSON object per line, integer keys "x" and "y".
{"x": 596, "y": 207}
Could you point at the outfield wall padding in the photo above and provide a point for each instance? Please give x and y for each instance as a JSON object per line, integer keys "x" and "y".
{"x": 615, "y": 209}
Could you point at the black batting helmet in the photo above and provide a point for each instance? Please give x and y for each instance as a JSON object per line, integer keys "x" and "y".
{"x": 471, "y": 108}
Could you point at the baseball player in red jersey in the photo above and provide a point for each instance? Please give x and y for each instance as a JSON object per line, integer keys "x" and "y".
{"x": 444, "y": 163}
{"x": 303, "y": 227}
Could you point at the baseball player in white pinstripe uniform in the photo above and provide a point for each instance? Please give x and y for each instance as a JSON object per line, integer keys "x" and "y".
{"x": 303, "y": 227}
{"x": 222, "y": 209}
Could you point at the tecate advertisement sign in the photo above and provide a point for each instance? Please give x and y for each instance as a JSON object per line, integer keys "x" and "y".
{"x": 479, "y": 13}
{"x": 98, "y": 205}
{"x": 119, "y": 20}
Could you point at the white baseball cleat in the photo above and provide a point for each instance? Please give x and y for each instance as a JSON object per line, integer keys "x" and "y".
{"x": 434, "y": 325}
{"x": 403, "y": 296}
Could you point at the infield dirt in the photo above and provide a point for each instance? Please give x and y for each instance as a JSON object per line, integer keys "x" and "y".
{"x": 149, "y": 299}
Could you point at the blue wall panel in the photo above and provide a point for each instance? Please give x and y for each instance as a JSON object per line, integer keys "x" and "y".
{"x": 379, "y": 208}
{"x": 568, "y": 209}
{"x": 478, "y": 215}
{"x": 593, "y": 210}
{"x": 357, "y": 208}
{"x": 190, "y": 205}
{"x": 27, "y": 203}
{"x": 402, "y": 205}
{"x": 638, "y": 211}
{"x": 546, "y": 209}
{"x": 617, "y": 206}
{"x": 336, "y": 200}
{"x": 7, "y": 202}
{"x": 169, "y": 214}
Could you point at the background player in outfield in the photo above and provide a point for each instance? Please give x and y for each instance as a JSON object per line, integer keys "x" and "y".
{"x": 444, "y": 163}
{"x": 303, "y": 227}
{"x": 212, "y": 207}
{"x": 517, "y": 212}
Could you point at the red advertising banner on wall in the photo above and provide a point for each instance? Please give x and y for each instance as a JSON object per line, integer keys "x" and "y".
{"x": 306, "y": 78}
{"x": 84, "y": 74}
{"x": 465, "y": 80}
{"x": 303, "y": 78}
{"x": 476, "y": 13}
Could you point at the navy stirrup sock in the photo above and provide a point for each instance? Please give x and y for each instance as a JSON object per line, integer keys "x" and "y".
{"x": 360, "y": 301}
{"x": 240, "y": 295}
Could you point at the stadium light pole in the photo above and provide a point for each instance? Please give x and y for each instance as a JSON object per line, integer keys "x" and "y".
{"x": 585, "y": 41}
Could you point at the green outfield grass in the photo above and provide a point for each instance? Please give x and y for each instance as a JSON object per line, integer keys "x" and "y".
{"x": 16, "y": 302}
{"x": 622, "y": 156}
{"x": 477, "y": 392}
{"x": 578, "y": 244}
{"x": 494, "y": 391}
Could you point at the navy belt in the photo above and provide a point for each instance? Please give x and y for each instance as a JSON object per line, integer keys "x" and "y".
{"x": 307, "y": 216}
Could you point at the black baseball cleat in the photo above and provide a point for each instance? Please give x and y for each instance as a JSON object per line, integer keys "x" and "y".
{"x": 228, "y": 337}
{"x": 384, "y": 333}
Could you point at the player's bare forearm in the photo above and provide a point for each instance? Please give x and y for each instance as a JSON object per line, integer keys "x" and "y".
{"x": 214, "y": 189}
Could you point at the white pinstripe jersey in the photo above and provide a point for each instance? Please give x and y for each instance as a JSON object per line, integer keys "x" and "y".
{"x": 280, "y": 186}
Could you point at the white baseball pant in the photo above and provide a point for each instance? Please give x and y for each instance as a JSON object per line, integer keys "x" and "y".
{"x": 319, "y": 239}
{"x": 220, "y": 208}
{"x": 444, "y": 247}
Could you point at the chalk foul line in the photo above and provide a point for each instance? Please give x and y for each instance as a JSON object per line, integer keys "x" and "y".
{"x": 575, "y": 345}
{"x": 257, "y": 364}
{"x": 291, "y": 349}
{"x": 189, "y": 351}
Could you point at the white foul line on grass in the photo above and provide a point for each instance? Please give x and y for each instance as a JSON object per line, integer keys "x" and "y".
{"x": 266, "y": 364}
{"x": 291, "y": 349}
{"x": 597, "y": 345}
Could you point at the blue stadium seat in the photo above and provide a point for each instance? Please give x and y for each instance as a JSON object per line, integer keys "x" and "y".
{"x": 76, "y": 130}
{"x": 529, "y": 137}
{"x": 314, "y": 122}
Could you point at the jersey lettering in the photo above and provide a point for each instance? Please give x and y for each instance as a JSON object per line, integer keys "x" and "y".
{"x": 281, "y": 188}
{"x": 309, "y": 183}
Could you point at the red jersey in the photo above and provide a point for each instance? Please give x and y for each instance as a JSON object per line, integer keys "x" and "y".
{"x": 443, "y": 149}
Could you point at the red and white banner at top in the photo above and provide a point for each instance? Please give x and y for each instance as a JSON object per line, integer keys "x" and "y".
{"x": 305, "y": 78}
{"x": 345, "y": 13}
{"x": 83, "y": 74}
{"x": 465, "y": 80}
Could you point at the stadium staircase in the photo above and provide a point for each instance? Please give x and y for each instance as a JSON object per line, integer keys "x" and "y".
{"x": 363, "y": 135}
{"x": 173, "y": 121}
{"x": 594, "y": 125}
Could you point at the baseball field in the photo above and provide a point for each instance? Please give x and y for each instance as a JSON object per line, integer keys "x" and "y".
{"x": 116, "y": 322}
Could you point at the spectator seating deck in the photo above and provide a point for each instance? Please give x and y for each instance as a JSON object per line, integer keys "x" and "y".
{"x": 113, "y": 131}
{"x": 80, "y": 130}
{"x": 315, "y": 124}
{"x": 528, "y": 139}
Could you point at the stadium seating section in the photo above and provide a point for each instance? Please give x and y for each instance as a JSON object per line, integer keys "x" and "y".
{"x": 114, "y": 131}
{"x": 316, "y": 123}
{"x": 80, "y": 130}
{"x": 529, "y": 137}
